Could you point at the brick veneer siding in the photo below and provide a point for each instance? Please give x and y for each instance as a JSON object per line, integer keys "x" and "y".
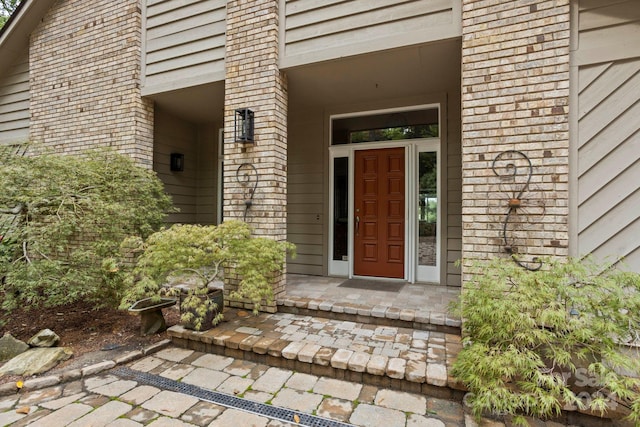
{"x": 253, "y": 80}
{"x": 85, "y": 79}
{"x": 515, "y": 96}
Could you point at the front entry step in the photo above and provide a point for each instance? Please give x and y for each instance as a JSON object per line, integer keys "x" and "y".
{"x": 383, "y": 315}
{"x": 406, "y": 359}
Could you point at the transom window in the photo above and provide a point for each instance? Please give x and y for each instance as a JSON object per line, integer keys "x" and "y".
{"x": 396, "y": 126}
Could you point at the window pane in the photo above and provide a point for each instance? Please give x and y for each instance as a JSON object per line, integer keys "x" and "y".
{"x": 389, "y": 126}
{"x": 340, "y": 207}
{"x": 394, "y": 133}
{"x": 427, "y": 208}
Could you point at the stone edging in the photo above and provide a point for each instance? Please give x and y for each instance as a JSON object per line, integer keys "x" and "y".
{"x": 392, "y": 372}
{"x": 75, "y": 374}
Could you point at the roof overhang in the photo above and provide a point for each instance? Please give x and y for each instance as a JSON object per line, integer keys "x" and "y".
{"x": 14, "y": 36}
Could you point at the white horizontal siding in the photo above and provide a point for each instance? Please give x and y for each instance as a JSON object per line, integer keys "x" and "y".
{"x": 14, "y": 103}
{"x": 306, "y": 219}
{"x": 194, "y": 190}
{"x": 207, "y": 174}
{"x": 453, "y": 187}
{"x": 317, "y": 30}
{"x": 608, "y": 142}
{"x": 183, "y": 44}
{"x": 172, "y": 135}
{"x": 608, "y": 31}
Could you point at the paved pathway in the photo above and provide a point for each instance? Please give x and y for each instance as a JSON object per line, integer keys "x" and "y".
{"x": 122, "y": 395}
{"x": 109, "y": 399}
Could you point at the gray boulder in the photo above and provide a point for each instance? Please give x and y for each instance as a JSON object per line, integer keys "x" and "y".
{"x": 35, "y": 361}
{"x": 44, "y": 338}
{"x": 11, "y": 347}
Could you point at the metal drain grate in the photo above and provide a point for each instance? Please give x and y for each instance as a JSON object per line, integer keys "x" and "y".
{"x": 274, "y": 412}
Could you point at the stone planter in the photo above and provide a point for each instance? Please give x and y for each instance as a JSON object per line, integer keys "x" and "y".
{"x": 215, "y": 295}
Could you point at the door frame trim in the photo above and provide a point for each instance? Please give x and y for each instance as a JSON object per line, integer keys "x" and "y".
{"x": 412, "y": 147}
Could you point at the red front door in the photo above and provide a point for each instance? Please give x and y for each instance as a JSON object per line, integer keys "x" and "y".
{"x": 379, "y": 213}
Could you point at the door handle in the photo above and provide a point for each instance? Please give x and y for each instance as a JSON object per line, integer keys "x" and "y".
{"x": 357, "y": 224}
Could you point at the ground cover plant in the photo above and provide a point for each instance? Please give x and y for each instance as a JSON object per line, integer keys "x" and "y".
{"x": 535, "y": 343}
{"x": 63, "y": 220}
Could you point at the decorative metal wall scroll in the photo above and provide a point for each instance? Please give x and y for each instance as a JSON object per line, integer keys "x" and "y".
{"x": 247, "y": 176}
{"x": 514, "y": 169}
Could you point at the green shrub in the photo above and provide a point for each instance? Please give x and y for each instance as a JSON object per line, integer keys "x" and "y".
{"x": 8, "y": 251}
{"x": 71, "y": 213}
{"x": 197, "y": 255}
{"x": 537, "y": 342}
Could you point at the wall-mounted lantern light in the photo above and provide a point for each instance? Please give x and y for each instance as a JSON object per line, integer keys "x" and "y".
{"x": 244, "y": 126}
{"x": 177, "y": 162}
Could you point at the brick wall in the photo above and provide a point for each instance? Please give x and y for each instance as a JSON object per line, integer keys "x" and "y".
{"x": 515, "y": 93}
{"x": 85, "y": 71}
{"x": 253, "y": 80}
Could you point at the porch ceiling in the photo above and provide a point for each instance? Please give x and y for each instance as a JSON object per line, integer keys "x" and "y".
{"x": 398, "y": 73}
{"x": 196, "y": 104}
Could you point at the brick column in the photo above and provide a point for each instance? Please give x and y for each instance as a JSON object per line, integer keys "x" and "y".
{"x": 84, "y": 64}
{"x": 515, "y": 96}
{"x": 253, "y": 80}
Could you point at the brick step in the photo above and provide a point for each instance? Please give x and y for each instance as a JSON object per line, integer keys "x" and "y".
{"x": 423, "y": 319}
{"x": 407, "y": 359}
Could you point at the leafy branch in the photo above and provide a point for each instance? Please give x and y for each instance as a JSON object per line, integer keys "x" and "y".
{"x": 537, "y": 342}
{"x": 189, "y": 258}
{"x": 60, "y": 216}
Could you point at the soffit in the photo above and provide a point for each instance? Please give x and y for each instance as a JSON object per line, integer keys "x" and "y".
{"x": 397, "y": 73}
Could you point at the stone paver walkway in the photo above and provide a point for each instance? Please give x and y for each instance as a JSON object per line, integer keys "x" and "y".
{"x": 359, "y": 360}
{"x": 109, "y": 400}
